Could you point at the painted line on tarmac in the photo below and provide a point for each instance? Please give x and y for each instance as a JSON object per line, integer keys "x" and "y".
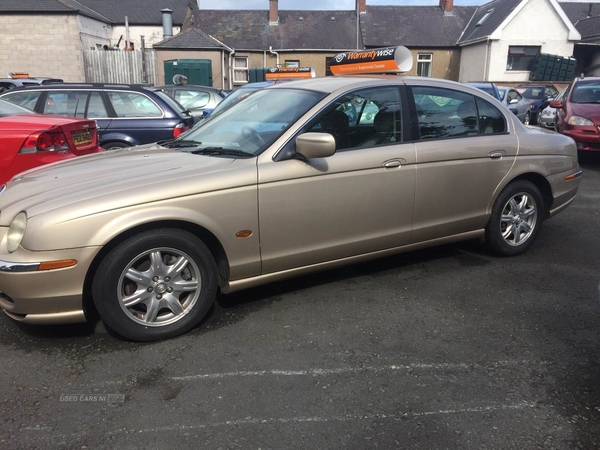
{"x": 336, "y": 371}
{"x": 391, "y": 368}
{"x": 41, "y": 430}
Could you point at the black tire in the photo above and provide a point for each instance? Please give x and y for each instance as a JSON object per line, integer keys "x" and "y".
{"x": 171, "y": 305}
{"x": 516, "y": 219}
{"x": 114, "y": 145}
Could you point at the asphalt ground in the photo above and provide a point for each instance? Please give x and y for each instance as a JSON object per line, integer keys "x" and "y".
{"x": 447, "y": 348}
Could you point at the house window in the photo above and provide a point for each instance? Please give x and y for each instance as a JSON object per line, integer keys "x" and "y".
{"x": 424, "y": 61}
{"x": 292, "y": 63}
{"x": 240, "y": 69}
{"x": 521, "y": 57}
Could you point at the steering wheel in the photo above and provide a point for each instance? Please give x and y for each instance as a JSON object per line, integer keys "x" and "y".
{"x": 249, "y": 131}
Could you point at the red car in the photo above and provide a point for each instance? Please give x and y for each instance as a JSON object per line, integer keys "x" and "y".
{"x": 28, "y": 140}
{"x": 578, "y": 114}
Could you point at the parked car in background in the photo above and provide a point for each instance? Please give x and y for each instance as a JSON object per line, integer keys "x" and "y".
{"x": 126, "y": 115}
{"x": 7, "y": 84}
{"x": 489, "y": 88}
{"x": 548, "y": 118}
{"x": 540, "y": 96}
{"x": 518, "y": 105}
{"x": 281, "y": 184}
{"x": 28, "y": 140}
{"x": 199, "y": 100}
{"x": 578, "y": 113}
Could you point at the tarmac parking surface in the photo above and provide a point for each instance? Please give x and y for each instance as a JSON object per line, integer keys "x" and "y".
{"x": 446, "y": 348}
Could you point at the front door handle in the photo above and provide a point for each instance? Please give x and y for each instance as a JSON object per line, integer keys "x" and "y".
{"x": 497, "y": 154}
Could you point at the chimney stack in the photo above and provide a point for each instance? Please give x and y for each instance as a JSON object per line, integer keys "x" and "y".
{"x": 273, "y": 12}
{"x": 361, "y": 6}
{"x": 167, "y": 21}
{"x": 447, "y": 6}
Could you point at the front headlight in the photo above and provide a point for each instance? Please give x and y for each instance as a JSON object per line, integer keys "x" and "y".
{"x": 16, "y": 231}
{"x": 576, "y": 120}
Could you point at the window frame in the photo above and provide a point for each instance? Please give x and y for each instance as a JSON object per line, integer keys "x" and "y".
{"x": 427, "y": 62}
{"x": 292, "y": 63}
{"x": 529, "y": 58}
{"x": 240, "y": 69}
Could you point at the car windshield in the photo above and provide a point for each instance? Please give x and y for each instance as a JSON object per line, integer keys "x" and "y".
{"x": 10, "y": 109}
{"x": 171, "y": 102}
{"x": 252, "y": 125}
{"x": 532, "y": 93}
{"x": 586, "y": 92}
{"x": 235, "y": 97}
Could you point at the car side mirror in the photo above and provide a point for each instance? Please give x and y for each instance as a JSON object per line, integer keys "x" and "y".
{"x": 315, "y": 145}
{"x": 558, "y": 104}
{"x": 513, "y": 101}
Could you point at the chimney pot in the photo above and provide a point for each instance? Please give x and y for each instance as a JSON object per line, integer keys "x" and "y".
{"x": 167, "y": 21}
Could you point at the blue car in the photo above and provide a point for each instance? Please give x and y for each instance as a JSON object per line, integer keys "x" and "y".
{"x": 540, "y": 96}
{"x": 489, "y": 88}
{"x": 126, "y": 115}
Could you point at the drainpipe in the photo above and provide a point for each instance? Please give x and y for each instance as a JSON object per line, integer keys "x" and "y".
{"x": 231, "y": 69}
{"x": 276, "y": 55}
{"x": 486, "y": 67}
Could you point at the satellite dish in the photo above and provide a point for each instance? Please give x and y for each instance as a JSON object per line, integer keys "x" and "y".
{"x": 179, "y": 79}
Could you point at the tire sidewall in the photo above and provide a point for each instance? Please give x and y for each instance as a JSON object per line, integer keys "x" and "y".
{"x": 106, "y": 279}
{"x": 493, "y": 233}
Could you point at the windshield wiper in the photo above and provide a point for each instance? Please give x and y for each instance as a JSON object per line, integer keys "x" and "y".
{"x": 174, "y": 143}
{"x": 221, "y": 151}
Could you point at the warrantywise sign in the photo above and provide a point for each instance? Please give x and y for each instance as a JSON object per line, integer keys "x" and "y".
{"x": 387, "y": 59}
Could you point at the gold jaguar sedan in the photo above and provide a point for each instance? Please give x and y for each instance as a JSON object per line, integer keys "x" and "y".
{"x": 302, "y": 176}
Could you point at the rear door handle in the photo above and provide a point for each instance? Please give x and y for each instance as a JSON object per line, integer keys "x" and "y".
{"x": 394, "y": 163}
{"x": 497, "y": 154}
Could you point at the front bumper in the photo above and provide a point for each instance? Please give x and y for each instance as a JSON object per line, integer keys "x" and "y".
{"x": 37, "y": 296}
{"x": 586, "y": 137}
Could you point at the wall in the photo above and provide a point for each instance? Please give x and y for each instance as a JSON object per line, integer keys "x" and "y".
{"x": 93, "y": 33}
{"x": 445, "y": 63}
{"x": 473, "y": 62}
{"x": 53, "y": 49}
{"x": 551, "y": 35}
{"x": 152, "y": 35}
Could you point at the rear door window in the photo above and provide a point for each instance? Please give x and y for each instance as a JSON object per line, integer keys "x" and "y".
{"x": 96, "y": 107}
{"x": 66, "y": 103}
{"x": 445, "y": 113}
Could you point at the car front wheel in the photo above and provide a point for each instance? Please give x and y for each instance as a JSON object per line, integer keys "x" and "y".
{"x": 527, "y": 119}
{"x": 155, "y": 285}
{"x": 516, "y": 219}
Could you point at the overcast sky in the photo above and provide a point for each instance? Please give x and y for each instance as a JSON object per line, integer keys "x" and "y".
{"x": 317, "y": 4}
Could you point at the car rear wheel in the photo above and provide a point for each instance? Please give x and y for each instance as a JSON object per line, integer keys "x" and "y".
{"x": 516, "y": 219}
{"x": 155, "y": 285}
{"x": 114, "y": 145}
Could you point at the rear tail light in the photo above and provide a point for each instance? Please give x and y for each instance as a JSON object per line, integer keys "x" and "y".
{"x": 180, "y": 128}
{"x": 49, "y": 140}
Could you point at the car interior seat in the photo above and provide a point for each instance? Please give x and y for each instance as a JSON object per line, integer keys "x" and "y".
{"x": 336, "y": 123}
{"x": 384, "y": 125}
{"x": 467, "y": 114}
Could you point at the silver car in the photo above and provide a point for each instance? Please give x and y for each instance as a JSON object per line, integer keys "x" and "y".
{"x": 548, "y": 117}
{"x": 285, "y": 183}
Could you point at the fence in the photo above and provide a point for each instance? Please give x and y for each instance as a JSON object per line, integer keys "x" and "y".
{"x": 120, "y": 67}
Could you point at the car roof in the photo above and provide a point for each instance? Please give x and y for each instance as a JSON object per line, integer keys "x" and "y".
{"x": 185, "y": 86}
{"x": 63, "y": 86}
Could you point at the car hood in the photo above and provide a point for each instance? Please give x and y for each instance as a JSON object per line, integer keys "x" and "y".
{"x": 588, "y": 110}
{"x": 121, "y": 178}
